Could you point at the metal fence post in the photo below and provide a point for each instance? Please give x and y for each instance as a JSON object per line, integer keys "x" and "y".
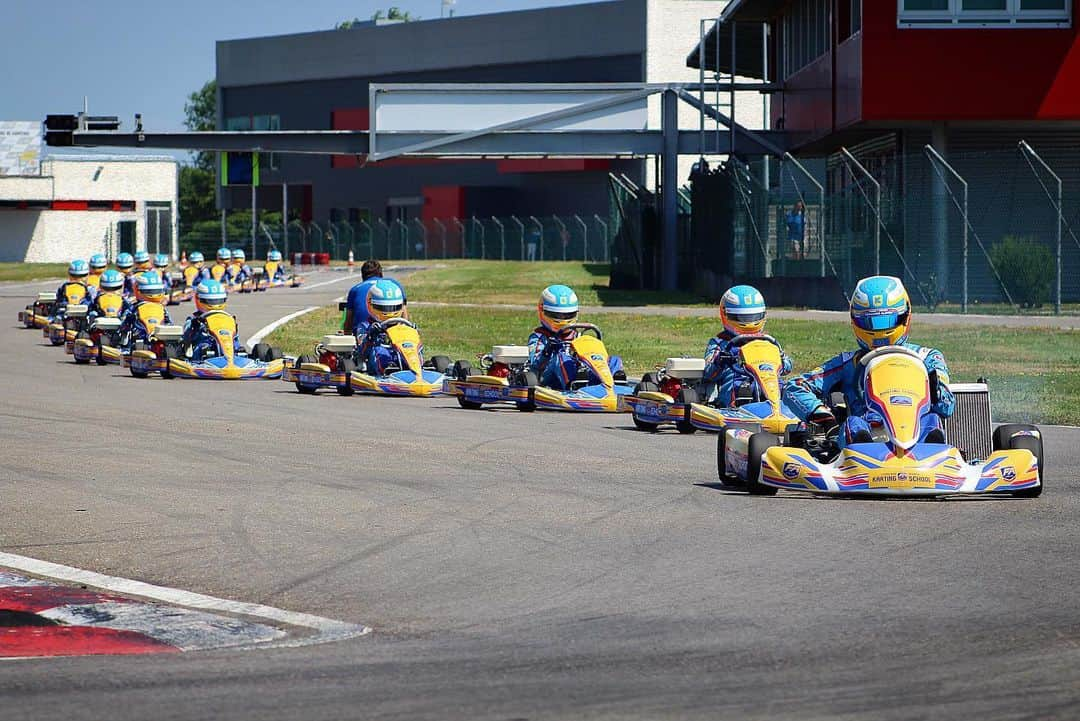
{"x": 502, "y": 237}
{"x": 423, "y": 234}
{"x": 936, "y": 159}
{"x": 478, "y": 228}
{"x": 877, "y": 206}
{"x": 540, "y": 227}
{"x": 563, "y": 234}
{"x": 604, "y": 225}
{"x": 370, "y": 238}
{"x": 461, "y": 235}
{"x": 1030, "y": 151}
{"x": 386, "y": 234}
{"x": 521, "y": 231}
{"x": 442, "y": 234}
{"x": 584, "y": 239}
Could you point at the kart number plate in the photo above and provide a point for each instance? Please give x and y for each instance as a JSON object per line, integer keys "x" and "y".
{"x": 483, "y": 394}
{"x": 902, "y": 480}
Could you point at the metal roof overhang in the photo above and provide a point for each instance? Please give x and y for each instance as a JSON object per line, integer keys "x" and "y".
{"x": 747, "y": 16}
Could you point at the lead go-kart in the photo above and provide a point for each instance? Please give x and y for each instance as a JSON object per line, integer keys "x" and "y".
{"x": 507, "y": 378}
{"x": 335, "y": 364}
{"x": 676, "y": 394}
{"x": 893, "y": 461}
{"x": 165, "y": 354}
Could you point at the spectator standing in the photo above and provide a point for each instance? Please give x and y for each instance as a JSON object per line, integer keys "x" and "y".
{"x": 796, "y": 229}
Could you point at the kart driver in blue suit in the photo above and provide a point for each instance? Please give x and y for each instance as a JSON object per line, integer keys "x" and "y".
{"x": 880, "y": 316}
{"x": 742, "y": 313}
{"x": 356, "y": 303}
{"x": 549, "y": 358}
{"x": 210, "y": 296}
{"x": 385, "y": 301}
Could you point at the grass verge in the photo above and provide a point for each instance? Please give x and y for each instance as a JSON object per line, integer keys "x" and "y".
{"x": 32, "y": 271}
{"x": 1032, "y": 371}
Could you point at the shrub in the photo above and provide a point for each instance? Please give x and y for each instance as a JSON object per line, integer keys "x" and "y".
{"x": 1026, "y": 268}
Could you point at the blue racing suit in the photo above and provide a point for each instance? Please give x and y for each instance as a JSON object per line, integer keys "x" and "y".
{"x": 551, "y": 360}
{"x": 61, "y": 295}
{"x": 357, "y": 302}
{"x": 722, "y": 368}
{"x": 129, "y": 283}
{"x": 377, "y": 356}
{"x": 808, "y": 392}
{"x": 203, "y": 274}
{"x": 131, "y": 329}
{"x": 202, "y": 342}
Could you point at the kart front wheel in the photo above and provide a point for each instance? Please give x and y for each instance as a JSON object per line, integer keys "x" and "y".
{"x": 307, "y": 358}
{"x": 755, "y": 450}
{"x": 440, "y": 364}
{"x": 469, "y": 405}
{"x": 686, "y": 396}
{"x": 82, "y": 335}
{"x": 260, "y": 351}
{"x": 346, "y": 366}
{"x": 170, "y": 354}
{"x": 1004, "y": 440}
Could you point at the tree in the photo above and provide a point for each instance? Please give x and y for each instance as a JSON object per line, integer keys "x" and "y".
{"x": 196, "y": 194}
{"x": 394, "y": 13}
{"x": 200, "y": 114}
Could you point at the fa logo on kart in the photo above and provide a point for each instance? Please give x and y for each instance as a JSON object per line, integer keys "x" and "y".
{"x": 597, "y": 357}
{"x": 766, "y": 367}
{"x": 791, "y": 470}
{"x": 1008, "y": 473}
{"x": 407, "y": 345}
{"x": 900, "y": 401}
{"x": 224, "y": 333}
{"x": 902, "y": 477}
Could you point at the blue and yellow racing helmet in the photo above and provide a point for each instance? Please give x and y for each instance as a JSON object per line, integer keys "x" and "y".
{"x": 385, "y": 300}
{"x": 558, "y": 307}
{"x": 210, "y": 295}
{"x": 196, "y": 258}
{"x": 78, "y": 269}
{"x": 742, "y": 310}
{"x": 125, "y": 262}
{"x": 224, "y": 255}
{"x": 98, "y": 263}
{"x": 161, "y": 261}
{"x": 880, "y": 312}
{"x": 142, "y": 260}
{"x": 150, "y": 287}
{"x": 112, "y": 280}
{"x": 274, "y": 255}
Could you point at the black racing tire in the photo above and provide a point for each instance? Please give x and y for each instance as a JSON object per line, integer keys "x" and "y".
{"x": 101, "y": 352}
{"x": 646, "y": 386}
{"x": 469, "y": 405}
{"x": 649, "y": 378}
{"x": 461, "y": 370}
{"x": 529, "y": 380}
{"x": 259, "y": 351}
{"x": 441, "y": 364}
{"x": 138, "y": 373}
{"x": 687, "y": 396}
{"x": 81, "y": 335}
{"x": 171, "y": 353}
{"x": 645, "y": 425}
{"x": 721, "y": 451}
{"x": 306, "y": 358}
{"x": 274, "y": 354}
{"x": 1035, "y": 445}
{"x": 346, "y": 366}
{"x": 649, "y": 385}
{"x": 759, "y": 443}
{"x": 1002, "y": 434}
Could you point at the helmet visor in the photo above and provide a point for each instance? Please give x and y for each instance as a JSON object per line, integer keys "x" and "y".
{"x": 382, "y": 308}
{"x": 561, "y": 315}
{"x": 752, "y": 317}
{"x": 879, "y": 321}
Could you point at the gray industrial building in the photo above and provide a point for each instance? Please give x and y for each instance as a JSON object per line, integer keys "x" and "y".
{"x": 320, "y": 80}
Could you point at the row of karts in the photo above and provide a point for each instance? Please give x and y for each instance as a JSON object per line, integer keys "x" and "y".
{"x": 762, "y": 446}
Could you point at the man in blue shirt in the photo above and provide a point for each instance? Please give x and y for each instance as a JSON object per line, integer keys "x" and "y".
{"x": 356, "y": 306}
{"x": 796, "y": 228}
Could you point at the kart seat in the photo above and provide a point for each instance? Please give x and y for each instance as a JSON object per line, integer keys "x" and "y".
{"x": 511, "y": 355}
{"x": 685, "y": 369}
{"x": 339, "y": 343}
{"x": 169, "y": 333}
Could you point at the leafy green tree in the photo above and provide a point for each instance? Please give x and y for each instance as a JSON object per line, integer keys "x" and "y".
{"x": 394, "y": 13}
{"x": 1026, "y": 267}
{"x": 200, "y": 114}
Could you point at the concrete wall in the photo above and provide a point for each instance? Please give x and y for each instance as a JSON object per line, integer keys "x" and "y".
{"x": 55, "y": 236}
{"x": 117, "y": 180}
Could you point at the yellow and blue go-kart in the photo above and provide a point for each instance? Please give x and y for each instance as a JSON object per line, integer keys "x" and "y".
{"x": 335, "y": 365}
{"x": 84, "y": 344}
{"x": 56, "y": 329}
{"x": 166, "y": 355}
{"x": 895, "y": 462}
{"x": 100, "y": 343}
{"x": 676, "y": 393}
{"x": 180, "y": 288}
{"x": 37, "y": 314}
{"x": 506, "y": 378}
{"x": 266, "y": 277}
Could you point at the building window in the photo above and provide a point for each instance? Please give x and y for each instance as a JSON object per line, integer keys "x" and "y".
{"x": 257, "y": 122}
{"x": 807, "y": 34}
{"x": 984, "y": 13}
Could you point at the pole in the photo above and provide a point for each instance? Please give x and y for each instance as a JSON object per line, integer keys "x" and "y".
{"x": 285, "y": 217}
{"x": 521, "y": 233}
{"x": 937, "y": 159}
{"x": 254, "y": 212}
{"x": 877, "y": 206}
{"x": 669, "y": 242}
{"x": 224, "y": 234}
{"x": 1024, "y": 147}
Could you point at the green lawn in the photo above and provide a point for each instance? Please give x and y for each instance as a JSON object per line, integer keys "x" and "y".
{"x": 1033, "y": 372}
{"x": 515, "y": 282}
{"x": 32, "y": 271}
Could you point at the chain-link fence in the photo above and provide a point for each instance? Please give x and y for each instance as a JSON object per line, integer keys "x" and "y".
{"x": 547, "y": 237}
{"x": 977, "y": 229}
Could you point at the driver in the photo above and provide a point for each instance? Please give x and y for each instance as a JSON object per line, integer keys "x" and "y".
{"x": 149, "y": 288}
{"x": 742, "y": 313}
{"x": 880, "y": 317}
{"x": 78, "y": 270}
{"x": 198, "y": 262}
{"x": 554, "y": 365}
{"x": 217, "y": 270}
{"x": 274, "y": 256}
{"x": 98, "y": 264}
{"x": 356, "y": 303}
{"x": 125, "y": 263}
{"x": 111, "y": 286}
{"x": 384, "y": 301}
{"x": 209, "y": 296}
{"x": 242, "y": 270}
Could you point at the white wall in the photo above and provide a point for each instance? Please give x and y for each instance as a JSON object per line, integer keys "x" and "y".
{"x": 56, "y": 236}
{"x": 673, "y": 30}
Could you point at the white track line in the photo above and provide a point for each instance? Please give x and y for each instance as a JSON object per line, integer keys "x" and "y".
{"x": 267, "y": 330}
{"x": 326, "y": 629}
{"x": 329, "y": 282}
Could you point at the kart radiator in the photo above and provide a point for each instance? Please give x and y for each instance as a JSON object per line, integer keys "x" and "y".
{"x": 969, "y": 426}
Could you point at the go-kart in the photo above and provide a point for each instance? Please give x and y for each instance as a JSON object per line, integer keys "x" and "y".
{"x": 676, "y": 393}
{"x": 37, "y": 314}
{"x": 154, "y": 354}
{"x": 75, "y": 321}
{"x": 266, "y": 276}
{"x": 335, "y": 364}
{"x": 180, "y": 290}
{"x": 506, "y": 378}
{"x": 964, "y": 458}
{"x": 223, "y": 363}
{"x": 100, "y": 343}
{"x": 75, "y": 294}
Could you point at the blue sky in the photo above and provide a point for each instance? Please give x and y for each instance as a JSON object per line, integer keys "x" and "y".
{"x": 146, "y": 57}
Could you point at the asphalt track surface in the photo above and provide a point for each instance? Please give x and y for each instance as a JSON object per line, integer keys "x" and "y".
{"x": 512, "y": 566}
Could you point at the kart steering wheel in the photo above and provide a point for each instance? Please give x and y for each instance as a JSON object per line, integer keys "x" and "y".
{"x": 394, "y": 321}
{"x": 741, "y": 340}
{"x": 888, "y": 350}
{"x": 586, "y": 328}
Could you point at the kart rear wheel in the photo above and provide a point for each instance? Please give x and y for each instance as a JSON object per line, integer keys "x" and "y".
{"x": 527, "y": 379}
{"x": 440, "y": 364}
{"x": 346, "y": 366}
{"x": 1004, "y": 440}
{"x": 138, "y": 373}
{"x": 644, "y": 426}
{"x": 259, "y": 351}
{"x": 82, "y": 335}
{"x": 461, "y": 370}
{"x": 274, "y": 354}
{"x": 306, "y": 358}
{"x": 647, "y": 385}
{"x": 686, "y": 396}
{"x": 755, "y": 449}
{"x": 170, "y": 354}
